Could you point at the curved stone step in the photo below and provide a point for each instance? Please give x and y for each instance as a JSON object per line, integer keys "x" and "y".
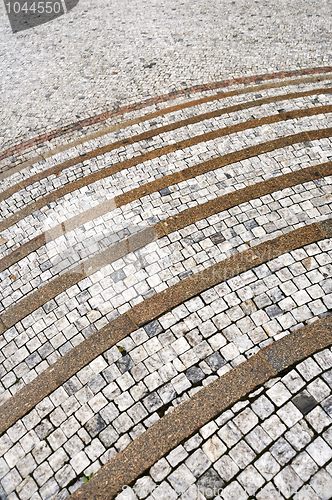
{"x": 100, "y": 118}
{"x": 136, "y": 138}
{"x": 215, "y": 403}
{"x": 106, "y": 172}
{"x": 166, "y": 227}
{"x": 56, "y": 285}
{"x": 162, "y": 361}
{"x": 63, "y": 209}
{"x": 88, "y": 350}
{"x": 98, "y": 365}
{"x": 163, "y": 116}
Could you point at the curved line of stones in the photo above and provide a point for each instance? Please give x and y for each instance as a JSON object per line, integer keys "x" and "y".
{"x": 162, "y": 100}
{"x": 42, "y": 355}
{"x": 258, "y": 169}
{"x": 177, "y": 139}
{"x": 28, "y": 167}
{"x": 88, "y": 426}
{"x": 269, "y": 445}
{"x": 131, "y": 132}
{"x": 288, "y": 208}
{"x": 93, "y": 301}
{"x": 157, "y": 168}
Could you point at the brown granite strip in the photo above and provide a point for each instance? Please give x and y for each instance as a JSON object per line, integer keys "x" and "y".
{"x": 22, "y": 251}
{"x": 300, "y": 344}
{"x": 58, "y": 285}
{"x": 24, "y": 400}
{"x": 106, "y": 172}
{"x": 174, "y": 428}
{"x": 223, "y": 203}
{"x": 171, "y": 109}
{"x": 192, "y": 215}
{"x": 67, "y": 366}
{"x": 154, "y": 132}
{"x": 36, "y": 299}
{"x": 55, "y": 232}
{"x": 142, "y": 238}
{"x": 2, "y": 328}
{"x": 172, "y": 95}
{"x": 326, "y": 227}
{"x": 159, "y": 304}
{"x": 207, "y": 404}
{"x": 122, "y": 125}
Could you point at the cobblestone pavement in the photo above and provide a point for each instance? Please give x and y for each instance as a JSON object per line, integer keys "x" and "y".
{"x": 117, "y": 396}
{"x": 159, "y": 146}
{"x": 275, "y": 445}
{"x": 99, "y": 57}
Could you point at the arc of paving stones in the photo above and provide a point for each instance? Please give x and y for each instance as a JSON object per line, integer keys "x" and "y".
{"x": 63, "y": 369}
{"x": 172, "y": 95}
{"x": 155, "y": 114}
{"x": 101, "y": 174}
{"x": 60, "y": 397}
{"x": 156, "y": 185}
{"x": 204, "y": 406}
{"x": 56, "y": 169}
{"x": 141, "y": 314}
{"x": 191, "y": 215}
{"x": 189, "y": 417}
{"x": 268, "y": 449}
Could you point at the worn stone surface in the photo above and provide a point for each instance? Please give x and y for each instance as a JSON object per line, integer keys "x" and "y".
{"x": 167, "y": 276}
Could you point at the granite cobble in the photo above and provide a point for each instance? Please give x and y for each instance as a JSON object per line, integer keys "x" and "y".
{"x": 115, "y": 398}
{"x": 271, "y": 445}
{"x": 72, "y": 135}
{"x": 209, "y": 240}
